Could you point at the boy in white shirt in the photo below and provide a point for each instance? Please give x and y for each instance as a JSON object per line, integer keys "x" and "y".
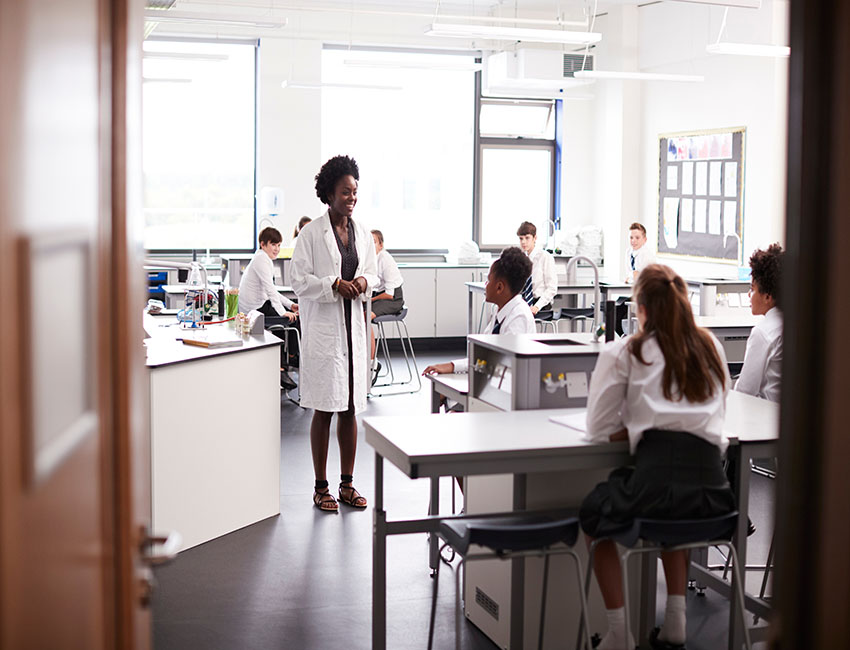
{"x": 257, "y": 291}
{"x": 638, "y": 256}
{"x": 387, "y": 297}
{"x": 542, "y": 285}
{"x": 504, "y": 286}
{"x": 761, "y": 373}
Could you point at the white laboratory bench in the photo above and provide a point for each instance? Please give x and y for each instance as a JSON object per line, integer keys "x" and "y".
{"x": 525, "y": 443}
{"x": 215, "y": 432}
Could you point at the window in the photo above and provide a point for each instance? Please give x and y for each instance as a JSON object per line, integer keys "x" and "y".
{"x": 516, "y": 165}
{"x": 407, "y": 118}
{"x": 199, "y": 144}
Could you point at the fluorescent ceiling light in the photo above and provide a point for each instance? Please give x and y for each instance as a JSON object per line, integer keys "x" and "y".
{"x": 165, "y": 80}
{"x": 185, "y": 56}
{"x": 185, "y": 17}
{"x": 749, "y": 49}
{"x": 319, "y": 86}
{"x": 746, "y": 4}
{"x": 513, "y": 34}
{"x": 636, "y": 76}
{"x": 416, "y": 65}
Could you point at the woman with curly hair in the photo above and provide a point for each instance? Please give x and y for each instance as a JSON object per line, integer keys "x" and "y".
{"x": 761, "y": 373}
{"x": 333, "y": 274}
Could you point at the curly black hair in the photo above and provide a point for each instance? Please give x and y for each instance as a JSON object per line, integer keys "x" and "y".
{"x": 331, "y": 172}
{"x": 767, "y": 270}
{"x": 514, "y": 267}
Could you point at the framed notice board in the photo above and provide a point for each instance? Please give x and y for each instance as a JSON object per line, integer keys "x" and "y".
{"x": 701, "y": 195}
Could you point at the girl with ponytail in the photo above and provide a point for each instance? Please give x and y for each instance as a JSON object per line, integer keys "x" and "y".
{"x": 664, "y": 389}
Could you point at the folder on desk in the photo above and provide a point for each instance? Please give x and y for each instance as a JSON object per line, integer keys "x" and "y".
{"x": 204, "y": 340}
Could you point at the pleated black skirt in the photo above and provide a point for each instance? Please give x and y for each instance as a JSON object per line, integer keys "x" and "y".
{"x": 676, "y": 476}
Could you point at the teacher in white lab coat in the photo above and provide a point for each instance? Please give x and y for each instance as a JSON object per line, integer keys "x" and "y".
{"x": 333, "y": 274}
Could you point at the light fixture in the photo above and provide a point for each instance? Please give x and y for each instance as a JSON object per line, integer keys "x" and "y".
{"x": 319, "y": 86}
{"x": 165, "y": 80}
{"x": 415, "y": 65}
{"x": 185, "y": 56}
{"x": 513, "y": 34}
{"x": 188, "y": 17}
{"x": 749, "y": 49}
{"x": 637, "y": 76}
{"x": 746, "y": 4}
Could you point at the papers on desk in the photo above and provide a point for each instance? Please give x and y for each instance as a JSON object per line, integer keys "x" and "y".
{"x": 576, "y": 421}
{"x": 211, "y": 339}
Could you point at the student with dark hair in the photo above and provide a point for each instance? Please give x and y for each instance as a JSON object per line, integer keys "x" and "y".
{"x": 256, "y": 288}
{"x": 542, "y": 284}
{"x": 504, "y": 286}
{"x": 638, "y": 256}
{"x": 761, "y": 372}
{"x": 333, "y": 274}
{"x": 664, "y": 390}
{"x": 303, "y": 221}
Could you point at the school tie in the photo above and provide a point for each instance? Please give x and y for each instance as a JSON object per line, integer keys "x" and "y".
{"x": 633, "y": 261}
{"x": 527, "y": 293}
{"x": 497, "y": 327}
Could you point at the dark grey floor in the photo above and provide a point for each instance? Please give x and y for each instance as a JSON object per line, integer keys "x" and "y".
{"x": 302, "y": 580}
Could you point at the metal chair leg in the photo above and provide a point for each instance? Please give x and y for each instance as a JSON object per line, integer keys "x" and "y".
{"x": 434, "y": 607}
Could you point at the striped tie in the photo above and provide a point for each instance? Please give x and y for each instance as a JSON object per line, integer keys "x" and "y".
{"x": 527, "y": 293}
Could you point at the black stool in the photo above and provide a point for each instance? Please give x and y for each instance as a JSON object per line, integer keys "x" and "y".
{"x": 677, "y": 535}
{"x": 507, "y": 538}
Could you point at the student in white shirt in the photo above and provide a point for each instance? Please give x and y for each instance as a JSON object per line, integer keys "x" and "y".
{"x": 664, "y": 390}
{"x": 257, "y": 289}
{"x": 638, "y": 256}
{"x": 303, "y": 221}
{"x": 504, "y": 285}
{"x": 387, "y": 297}
{"x": 761, "y": 373}
{"x": 543, "y": 285}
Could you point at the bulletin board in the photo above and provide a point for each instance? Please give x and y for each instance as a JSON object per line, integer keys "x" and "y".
{"x": 701, "y": 195}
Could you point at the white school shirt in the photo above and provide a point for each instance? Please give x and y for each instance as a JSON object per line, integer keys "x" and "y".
{"x": 257, "y": 286}
{"x": 544, "y": 277}
{"x": 761, "y": 374}
{"x": 515, "y": 317}
{"x": 389, "y": 277}
{"x": 643, "y": 257}
{"x": 625, "y": 393}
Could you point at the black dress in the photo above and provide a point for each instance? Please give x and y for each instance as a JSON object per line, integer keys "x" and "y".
{"x": 347, "y": 271}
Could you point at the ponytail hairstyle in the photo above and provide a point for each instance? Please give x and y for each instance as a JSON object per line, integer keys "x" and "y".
{"x": 690, "y": 356}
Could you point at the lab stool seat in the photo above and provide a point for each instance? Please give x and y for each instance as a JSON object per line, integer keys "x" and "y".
{"x": 656, "y": 535}
{"x": 387, "y": 378}
{"x": 515, "y": 536}
{"x": 574, "y": 316}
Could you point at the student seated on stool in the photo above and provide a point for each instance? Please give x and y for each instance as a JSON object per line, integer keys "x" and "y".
{"x": 664, "y": 389}
{"x": 541, "y": 286}
{"x": 504, "y": 284}
{"x": 760, "y": 374}
{"x": 387, "y": 297}
{"x": 257, "y": 291}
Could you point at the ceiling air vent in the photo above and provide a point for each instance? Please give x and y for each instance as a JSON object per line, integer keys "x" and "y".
{"x": 573, "y": 62}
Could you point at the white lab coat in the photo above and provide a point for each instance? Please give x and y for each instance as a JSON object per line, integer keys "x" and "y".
{"x": 316, "y": 264}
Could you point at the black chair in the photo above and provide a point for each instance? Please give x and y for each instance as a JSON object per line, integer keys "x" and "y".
{"x": 523, "y": 535}
{"x": 659, "y": 535}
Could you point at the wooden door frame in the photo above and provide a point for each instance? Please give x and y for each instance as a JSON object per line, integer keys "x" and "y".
{"x": 813, "y": 508}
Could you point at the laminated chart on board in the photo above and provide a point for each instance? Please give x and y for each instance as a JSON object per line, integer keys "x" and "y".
{"x": 701, "y": 194}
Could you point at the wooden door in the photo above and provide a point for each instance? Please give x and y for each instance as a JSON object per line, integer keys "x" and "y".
{"x": 72, "y": 492}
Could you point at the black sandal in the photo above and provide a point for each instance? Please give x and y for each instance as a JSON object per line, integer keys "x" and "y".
{"x": 325, "y": 501}
{"x": 354, "y": 499}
